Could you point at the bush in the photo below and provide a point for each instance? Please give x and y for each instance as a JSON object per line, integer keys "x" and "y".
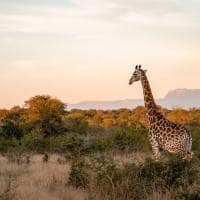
{"x": 130, "y": 139}
{"x": 195, "y": 130}
{"x": 105, "y": 171}
{"x": 190, "y": 196}
{"x": 172, "y": 173}
{"x": 99, "y": 144}
{"x": 79, "y": 176}
{"x": 107, "y": 180}
{"x": 35, "y": 141}
{"x": 119, "y": 139}
{"x": 45, "y": 158}
{"x": 10, "y": 144}
{"x": 10, "y": 129}
{"x": 69, "y": 142}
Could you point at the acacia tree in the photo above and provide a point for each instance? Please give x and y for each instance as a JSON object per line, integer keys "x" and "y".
{"x": 46, "y": 113}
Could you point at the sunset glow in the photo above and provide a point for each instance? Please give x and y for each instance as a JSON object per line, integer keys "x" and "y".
{"x": 85, "y": 50}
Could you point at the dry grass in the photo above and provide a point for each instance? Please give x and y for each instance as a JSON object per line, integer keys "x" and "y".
{"x": 158, "y": 195}
{"x": 37, "y": 180}
{"x": 136, "y": 157}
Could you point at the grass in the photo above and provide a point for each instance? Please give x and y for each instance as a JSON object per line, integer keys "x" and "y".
{"x": 109, "y": 176}
{"x": 37, "y": 180}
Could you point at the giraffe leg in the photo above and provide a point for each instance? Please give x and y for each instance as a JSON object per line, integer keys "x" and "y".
{"x": 188, "y": 147}
{"x": 156, "y": 155}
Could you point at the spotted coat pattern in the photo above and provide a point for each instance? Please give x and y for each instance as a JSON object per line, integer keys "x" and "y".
{"x": 164, "y": 134}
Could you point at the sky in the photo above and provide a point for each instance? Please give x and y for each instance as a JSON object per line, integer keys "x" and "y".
{"x": 79, "y": 50}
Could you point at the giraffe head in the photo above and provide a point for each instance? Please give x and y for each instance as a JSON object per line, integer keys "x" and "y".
{"x": 136, "y": 76}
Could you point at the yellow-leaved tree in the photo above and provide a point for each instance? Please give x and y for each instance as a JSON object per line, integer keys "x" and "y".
{"x": 46, "y": 113}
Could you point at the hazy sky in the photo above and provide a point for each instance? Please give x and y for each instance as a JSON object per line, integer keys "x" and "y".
{"x": 82, "y": 49}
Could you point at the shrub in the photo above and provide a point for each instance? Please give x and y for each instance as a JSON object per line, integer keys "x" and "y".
{"x": 195, "y": 130}
{"x": 69, "y": 142}
{"x": 78, "y": 175}
{"x": 112, "y": 182}
{"x": 35, "y": 141}
{"x": 131, "y": 139}
{"x": 9, "y": 144}
{"x": 103, "y": 177}
{"x": 99, "y": 144}
{"x": 45, "y": 158}
{"x": 190, "y": 196}
{"x": 105, "y": 170}
{"x": 172, "y": 173}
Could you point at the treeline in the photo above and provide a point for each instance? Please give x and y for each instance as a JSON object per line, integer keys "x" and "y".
{"x": 135, "y": 117}
{"x": 44, "y": 123}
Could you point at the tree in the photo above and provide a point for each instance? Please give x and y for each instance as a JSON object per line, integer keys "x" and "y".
{"x": 76, "y": 122}
{"x": 179, "y": 115}
{"x": 46, "y": 113}
{"x": 140, "y": 115}
{"x": 10, "y": 121}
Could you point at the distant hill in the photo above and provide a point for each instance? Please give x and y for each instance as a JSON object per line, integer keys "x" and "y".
{"x": 184, "y": 98}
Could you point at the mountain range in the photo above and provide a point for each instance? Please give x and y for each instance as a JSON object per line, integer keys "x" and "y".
{"x": 184, "y": 98}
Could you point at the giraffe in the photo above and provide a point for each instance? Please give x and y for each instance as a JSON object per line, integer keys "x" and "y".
{"x": 163, "y": 134}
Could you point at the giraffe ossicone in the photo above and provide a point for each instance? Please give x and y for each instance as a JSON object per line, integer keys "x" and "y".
{"x": 163, "y": 134}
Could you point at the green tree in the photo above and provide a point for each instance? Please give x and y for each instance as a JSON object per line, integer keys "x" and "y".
{"x": 11, "y": 123}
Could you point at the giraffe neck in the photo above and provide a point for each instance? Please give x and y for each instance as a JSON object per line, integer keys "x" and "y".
{"x": 150, "y": 105}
